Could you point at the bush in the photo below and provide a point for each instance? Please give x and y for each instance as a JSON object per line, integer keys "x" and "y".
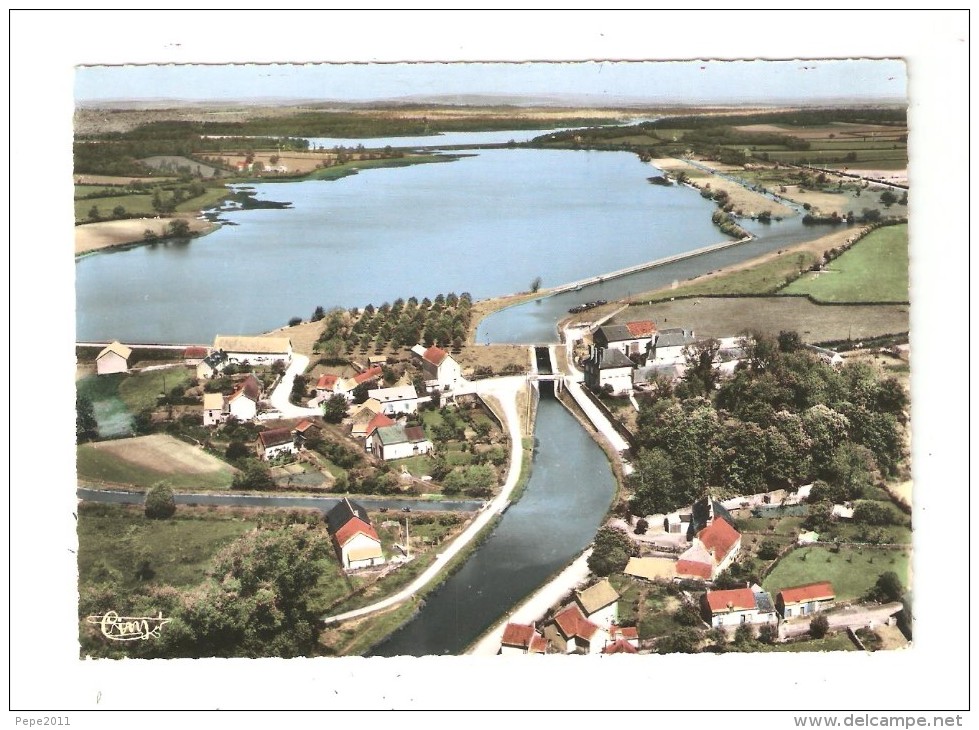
{"x": 818, "y": 626}
{"x": 768, "y": 634}
{"x": 160, "y": 503}
{"x": 768, "y": 550}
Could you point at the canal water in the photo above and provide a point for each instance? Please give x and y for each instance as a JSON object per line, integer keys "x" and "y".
{"x": 570, "y": 490}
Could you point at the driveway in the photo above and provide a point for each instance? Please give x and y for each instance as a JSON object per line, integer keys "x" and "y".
{"x": 280, "y": 396}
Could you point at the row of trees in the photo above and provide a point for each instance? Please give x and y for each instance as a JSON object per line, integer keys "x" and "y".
{"x": 785, "y": 418}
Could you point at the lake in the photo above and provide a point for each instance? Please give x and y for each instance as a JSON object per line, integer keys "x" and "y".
{"x": 487, "y": 224}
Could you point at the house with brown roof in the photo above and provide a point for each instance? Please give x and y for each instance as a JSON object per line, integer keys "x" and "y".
{"x": 305, "y": 432}
{"x": 114, "y": 358}
{"x": 398, "y": 442}
{"x": 571, "y": 632}
{"x": 738, "y": 606}
{"x": 441, "y": 370}
{"x": 805, "y": 599}
{"x": 522, "y": 639}
{"x": 276, "y": 442}
{"x": 354, "y": 538}
{"x": 243, "y": 401}
{"x": 362, "y": 415}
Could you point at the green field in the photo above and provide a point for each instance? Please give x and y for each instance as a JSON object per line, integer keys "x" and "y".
{"x": 140, "y": 390}
{"x": 874, "y": 270}
{"x": 111, "y": 413}
{"x": 114, "y": 540}
{"x": 765, "y": 278}
{"x": 142, "y": 462}
{"x": 852, "y": 571}
{"x": 833, "y": 642}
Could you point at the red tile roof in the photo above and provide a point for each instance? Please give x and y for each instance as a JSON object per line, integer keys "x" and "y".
{"x": 538, "y": 644}
{"x": 518, "y": 635}
{"x": 194, "y": 352}
{"x": 719, "y": 537}
{"x": 304, "y": 425}
{"x": 351, "y": 529}
{"x": 571, "y": 622}
{"x": 378, "y": 421}
{"x": 249, "y": 387}
{"x": 624, "y": 632}
{"x": 435, "y": 355}
{"x": 621, "y": 646}
{"x": 694, "y": 569}
{"x": 369, "y": 374}
{"x": 738, "y": 599}
{"x": 327, "y": 381}
{"x": 809, "y": 592}
{"x": 641, "y": 328}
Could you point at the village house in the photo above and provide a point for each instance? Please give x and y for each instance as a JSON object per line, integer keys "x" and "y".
{"x": 212, "y": 364}
{"x": 398, "y": 442}
{"x": 402, "y": 399}
{"x": 668, "y": 345}
{"x": 805, "y": 599}
{"x": 361, "y": 417}
{"x": 584, "y": 625}
{"x": 600, "y": 603}
{"x": 379, "y": 420}
{"x": 633, "y": 339}
{"x": 255, "y": 350}
{"x": 214, "y": 409}
{"x": 327, "y": 386}
{"x": 830, "y": 357}
{"x": 738, "y": 606}
{"x": 441, "y": 370}
{"x": 715, "y": 545}
{"x": 622, "y": 640}
{"x": 368, "y": 376}
{"x": 522, "y": 639}
{"x": 242, "y": 404}
{"x": 194, "y": 355}
{"x": 276, "y": 442}
{"x": 354, "y": 538}
{"x": 114, "y": 358}
{"x": 608, "y": 368}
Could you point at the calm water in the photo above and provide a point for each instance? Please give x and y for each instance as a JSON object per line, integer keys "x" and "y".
{"x": 569, "y": 492}
{"x": 487, "y": 224}
{"x": 447, "y": 139}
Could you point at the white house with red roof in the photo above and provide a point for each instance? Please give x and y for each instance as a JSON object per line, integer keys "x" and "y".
{"x": 738, "y": 606}
{"x": 354, "y": 538}
{"x": 327, "y": 385}
{"x": 622, "y": 640}
{"x": 441, "y": 371}
{"x": 805, "y": 599}
{"x": 522, "y": 639}
{"x": 571, "y": 632}
{"x": 713, "y": 550}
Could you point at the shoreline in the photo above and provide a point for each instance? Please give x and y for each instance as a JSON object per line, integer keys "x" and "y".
{"x": 122, "y": 234}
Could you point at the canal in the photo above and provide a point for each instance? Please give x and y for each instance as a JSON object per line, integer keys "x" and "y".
{"x": 570, "y": 490}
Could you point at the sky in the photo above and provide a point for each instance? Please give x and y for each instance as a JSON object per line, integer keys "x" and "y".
{"x": 717, "y": 81}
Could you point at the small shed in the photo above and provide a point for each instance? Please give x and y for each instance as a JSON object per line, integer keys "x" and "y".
{"x": 114, "y": 358}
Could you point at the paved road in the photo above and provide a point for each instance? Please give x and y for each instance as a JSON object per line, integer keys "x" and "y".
{"x": 280, "y": 396}
{"x": 261, "y": 500}
{"x": 596, "y": 416}
{"x": 505, "y": 390}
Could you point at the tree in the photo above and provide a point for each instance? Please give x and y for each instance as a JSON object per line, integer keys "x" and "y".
{"x": 768, "y": 550}
{"x": 536, "y": 284}
{"x": 611, "y": 552}
{"x": 744, "y": 635}
{"x": 818, "y": 626}
{"x": 93, "y": 213}
{"x": 701, "y": 375}
{"x": 159, "y": 503}
{"x": 254, "y": 475}
{"x": 335, "y": 408}
{"x": 178, "y": 228}
{"x": 641, "y": 526}
{"x": 293, "y": 321}
{"x": 118, "y": 212}
{"x": 318, "y": 314}
{"x": 681, "y": 641}
{"x": 887, "y": 198}
{"x": 768, "y": 634}
{"x": 86, "y": 427}
{"x": 237, "y": 450}
{"x": 887, "y": 588}
{"x": 652, "y": 483}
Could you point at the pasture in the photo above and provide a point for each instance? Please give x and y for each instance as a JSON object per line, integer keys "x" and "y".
{"x": 874, "y": 270}
{"x": 853, "y": 570}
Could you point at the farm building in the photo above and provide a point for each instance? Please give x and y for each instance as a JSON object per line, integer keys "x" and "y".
{"x": 306, "y": 431}
{"x": 114, "y": 358}
{"x": 402, "y": 399}
{"x": 212, "y": 364}
{"x": 243, "y": 401}
{"x": 354, "y": 538}
{"x": 668, "y": 345}
{"x": 255, "y": 350}
{"x": 276, "y": 442}
{"x": 634, "y": 339}
{"x": 361, "y": 417}
{"x": 194, "y": 355}
{"x": 715, "y": 545}
{"x": 805, "y": 599}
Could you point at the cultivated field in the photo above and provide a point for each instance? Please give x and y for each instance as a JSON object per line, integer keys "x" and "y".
{"x": 727, "y": 317}
{"x": 874, "y": 270}
{"x": 144, "y": 460}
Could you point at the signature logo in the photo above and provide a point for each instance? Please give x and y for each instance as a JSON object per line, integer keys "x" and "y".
{"x": 129, "y": 628}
